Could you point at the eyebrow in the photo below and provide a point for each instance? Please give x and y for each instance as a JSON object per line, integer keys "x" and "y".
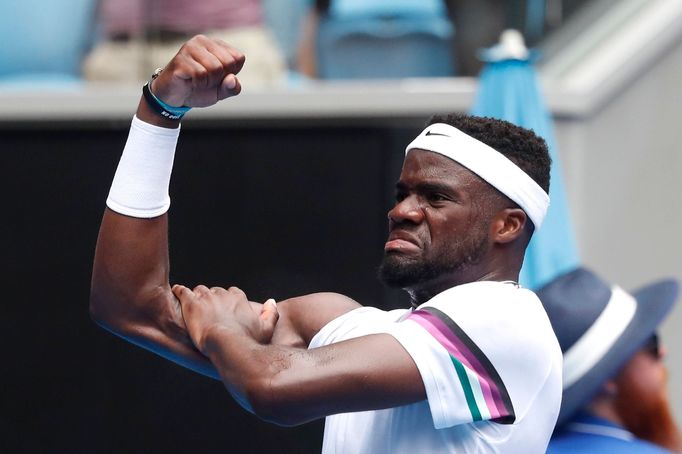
{"x": 427, "y": 187}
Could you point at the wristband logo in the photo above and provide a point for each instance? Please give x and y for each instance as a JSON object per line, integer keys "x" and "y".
{"x": 170, "y": 115}
{"x": 161, "y": 108}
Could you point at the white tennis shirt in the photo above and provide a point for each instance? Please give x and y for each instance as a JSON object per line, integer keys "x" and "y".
{"x": 491, "y": 367}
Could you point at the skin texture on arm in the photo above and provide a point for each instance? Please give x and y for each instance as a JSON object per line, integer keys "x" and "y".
{"x": 131, "y": 295}
{"x": 290, "y": 385}
{"x": 280, "y": 381}
{"x": 269, "y": 371}
{"x": 130, "y": 291}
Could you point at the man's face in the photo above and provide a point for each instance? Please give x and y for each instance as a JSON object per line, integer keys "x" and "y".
{"x": 438, "y": 225}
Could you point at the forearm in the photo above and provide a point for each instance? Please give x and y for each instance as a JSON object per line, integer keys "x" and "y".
{"x": 131, "y": 258}
{"x": 290, "y": 386}
{"x": 130, "y": 288}
{"x": 130, "y": 292}
{"x": 250, "y": 371}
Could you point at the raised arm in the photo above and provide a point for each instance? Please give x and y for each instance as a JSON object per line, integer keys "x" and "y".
{"x": 273, "y": 374}
{"x": 130, "y": 292}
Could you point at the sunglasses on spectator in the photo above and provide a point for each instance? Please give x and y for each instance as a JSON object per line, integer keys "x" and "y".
{"x": 652, "y": 346}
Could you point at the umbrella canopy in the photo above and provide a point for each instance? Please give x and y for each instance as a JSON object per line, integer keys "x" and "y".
{"x": 509, "y": 90}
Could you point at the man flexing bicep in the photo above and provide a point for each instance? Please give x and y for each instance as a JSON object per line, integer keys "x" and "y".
{"x": 131, "y": 294}
{"x": 472, "y": 366}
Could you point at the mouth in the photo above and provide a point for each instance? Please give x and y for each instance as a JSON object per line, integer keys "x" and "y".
{"x": 401, "y": 242}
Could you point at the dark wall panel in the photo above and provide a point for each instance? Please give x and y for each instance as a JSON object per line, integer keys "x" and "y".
{"x": 277, "y": 212}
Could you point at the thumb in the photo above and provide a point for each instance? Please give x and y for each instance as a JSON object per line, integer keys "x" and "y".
{"x": 269, "y": 317}
{"x": 230, "y": 86}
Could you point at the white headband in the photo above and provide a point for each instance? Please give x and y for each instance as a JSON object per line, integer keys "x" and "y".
{"x": 487, "y": 163}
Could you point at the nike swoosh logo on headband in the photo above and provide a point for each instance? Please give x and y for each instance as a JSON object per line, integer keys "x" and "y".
{"x": 429, "y": 133}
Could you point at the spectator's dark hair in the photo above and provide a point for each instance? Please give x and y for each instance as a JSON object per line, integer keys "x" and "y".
{"x": 519, "y": 145}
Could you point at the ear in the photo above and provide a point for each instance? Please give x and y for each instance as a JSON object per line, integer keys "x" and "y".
{"x": 508, "y": 225}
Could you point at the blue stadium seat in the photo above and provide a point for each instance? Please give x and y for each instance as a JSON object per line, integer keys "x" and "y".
{"x": 44, "y": 41}
{"x": 385, "y": 47}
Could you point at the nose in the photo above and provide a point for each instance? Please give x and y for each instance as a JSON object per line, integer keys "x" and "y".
{"x": 407, "y": 210}
{"x": 662, "y": 351}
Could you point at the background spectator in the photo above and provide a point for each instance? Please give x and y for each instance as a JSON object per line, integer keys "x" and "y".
{"x": 615, "y": 395}
{"x": 143, "y": 34}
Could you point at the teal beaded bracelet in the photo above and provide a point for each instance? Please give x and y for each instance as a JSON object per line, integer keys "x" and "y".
{"x": 160, "y": 107}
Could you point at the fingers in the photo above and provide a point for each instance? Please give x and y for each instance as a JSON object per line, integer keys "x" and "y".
{"x": 202, "y": 291}
{"x": 183, "y": 293}
{"x": 231, "y": 62}
{"x": 232, "y": 59}
{"x": 204, "y": 308}
{"x": 217, "y": 58}
{"x": 210, "y": 69}
{"x": 201, "y": 74}
{"x": 187, "y": 300}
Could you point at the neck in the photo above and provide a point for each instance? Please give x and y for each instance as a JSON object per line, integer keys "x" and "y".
{"x": 601, "y": 408}
{"x": 422, "y": 293}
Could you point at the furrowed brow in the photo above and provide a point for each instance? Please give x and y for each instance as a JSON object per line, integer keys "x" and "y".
{"x": 425, "y": 186}
{"x": 435, "y": 187}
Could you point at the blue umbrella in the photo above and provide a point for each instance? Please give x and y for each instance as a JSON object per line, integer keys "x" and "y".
{"x": 509, "y": 90}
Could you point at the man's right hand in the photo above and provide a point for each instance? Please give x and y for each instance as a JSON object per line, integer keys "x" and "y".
{"x": 202, "y": 73}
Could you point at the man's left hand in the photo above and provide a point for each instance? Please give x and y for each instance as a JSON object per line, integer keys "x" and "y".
{"x": 208, "y": 311}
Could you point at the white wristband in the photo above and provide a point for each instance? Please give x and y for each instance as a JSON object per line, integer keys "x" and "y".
{"x": 140, "y": 186}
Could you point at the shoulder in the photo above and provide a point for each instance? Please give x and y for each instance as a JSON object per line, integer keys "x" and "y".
{"x": 506, "y": 328}
{"x": 489, "y": 312}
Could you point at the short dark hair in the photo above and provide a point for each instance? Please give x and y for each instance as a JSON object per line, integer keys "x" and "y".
{"x": 521, "y": 146}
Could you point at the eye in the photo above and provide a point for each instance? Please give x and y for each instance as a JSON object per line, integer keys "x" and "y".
{"x": 435, "y": 197}
{"x": 400, "y": 196}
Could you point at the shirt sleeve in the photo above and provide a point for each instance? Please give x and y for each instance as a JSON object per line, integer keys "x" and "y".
{"x": 358, "y": 322}
{"x": 480, "y": 355}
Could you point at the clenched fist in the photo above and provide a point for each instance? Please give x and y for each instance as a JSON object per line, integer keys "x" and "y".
{"x": 202, "y": 73}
